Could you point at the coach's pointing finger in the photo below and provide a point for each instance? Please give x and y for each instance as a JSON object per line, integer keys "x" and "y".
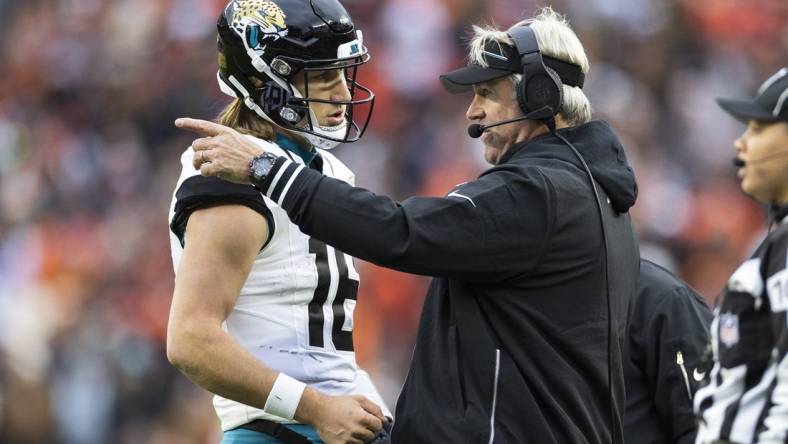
{"x": 222, "y": 151}
{"x": 203, "y": 127}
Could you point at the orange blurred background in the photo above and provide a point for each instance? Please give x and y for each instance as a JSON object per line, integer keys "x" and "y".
{"x": 89, "y": 158}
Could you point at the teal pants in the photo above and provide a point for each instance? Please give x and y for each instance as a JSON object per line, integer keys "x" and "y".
{"x": 243, "y": 436}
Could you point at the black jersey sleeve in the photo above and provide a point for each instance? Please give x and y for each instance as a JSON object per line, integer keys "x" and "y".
{"x": 478, "y": 232}
{"x": 199, "y": 192}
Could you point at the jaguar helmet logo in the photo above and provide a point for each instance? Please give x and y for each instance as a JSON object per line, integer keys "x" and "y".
{"x": 265, "y": 18}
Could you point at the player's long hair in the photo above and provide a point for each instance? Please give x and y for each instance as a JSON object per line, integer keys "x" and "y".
{"x": 237, "y": 116}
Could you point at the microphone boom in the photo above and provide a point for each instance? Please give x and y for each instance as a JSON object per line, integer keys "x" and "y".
{"x": 476, "y": 130}
{"x": 738, "y": 163}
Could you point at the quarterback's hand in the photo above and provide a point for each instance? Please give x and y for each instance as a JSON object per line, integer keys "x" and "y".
{"x": 343, "y": 419}
{"x": 222, "y": 151}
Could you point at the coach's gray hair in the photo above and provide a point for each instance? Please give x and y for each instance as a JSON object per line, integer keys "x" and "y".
{"x": 557, "y": 40}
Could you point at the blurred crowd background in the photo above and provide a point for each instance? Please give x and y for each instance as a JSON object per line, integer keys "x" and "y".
{"x": 89, "y": 158}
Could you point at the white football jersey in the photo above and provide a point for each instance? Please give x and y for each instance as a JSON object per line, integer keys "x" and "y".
{"x": 295, "y": 310}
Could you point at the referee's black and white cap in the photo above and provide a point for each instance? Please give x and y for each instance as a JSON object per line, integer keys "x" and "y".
{"x": 770, "y": 105}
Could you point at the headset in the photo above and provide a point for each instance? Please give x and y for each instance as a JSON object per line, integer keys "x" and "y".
{"x": 539, "y": 93}
{"x": 540, "y": 96}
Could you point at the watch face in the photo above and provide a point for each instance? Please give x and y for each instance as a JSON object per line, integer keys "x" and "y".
{"x": 262, "y": 165}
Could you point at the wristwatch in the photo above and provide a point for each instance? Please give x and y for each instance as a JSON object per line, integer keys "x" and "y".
{"x": 259, "y": 168}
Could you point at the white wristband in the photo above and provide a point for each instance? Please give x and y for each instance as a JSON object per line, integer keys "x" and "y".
{"x": 284, "y": 397}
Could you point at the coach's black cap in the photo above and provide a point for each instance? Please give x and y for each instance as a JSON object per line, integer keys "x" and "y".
{"x": 770, "y": 105}
{"x": 503, "y": 60}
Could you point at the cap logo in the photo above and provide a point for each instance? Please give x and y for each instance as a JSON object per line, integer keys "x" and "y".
{"x": 265, "y": 18}
{"x": 493, "y": 55}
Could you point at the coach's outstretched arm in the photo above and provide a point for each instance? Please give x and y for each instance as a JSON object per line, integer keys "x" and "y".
{"x": 463, "y": 235}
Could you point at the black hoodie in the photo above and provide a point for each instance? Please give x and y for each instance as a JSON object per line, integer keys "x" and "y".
{"x": 520, "y": 339}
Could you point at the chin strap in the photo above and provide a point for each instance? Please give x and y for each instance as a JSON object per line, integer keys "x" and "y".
{"x": 334, "y": 132}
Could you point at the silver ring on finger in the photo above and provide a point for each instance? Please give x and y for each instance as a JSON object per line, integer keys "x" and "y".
{"x": 202, "y": 156}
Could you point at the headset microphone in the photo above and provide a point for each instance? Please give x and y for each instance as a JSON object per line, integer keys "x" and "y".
{"x": 739, "y": 163}
{"x": 476, "y": 130}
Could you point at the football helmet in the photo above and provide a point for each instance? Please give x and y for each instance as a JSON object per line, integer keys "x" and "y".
{"x": 275, "y": 40}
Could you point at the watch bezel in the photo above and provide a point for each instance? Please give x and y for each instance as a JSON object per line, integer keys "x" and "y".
{"x": 260, "y": 166}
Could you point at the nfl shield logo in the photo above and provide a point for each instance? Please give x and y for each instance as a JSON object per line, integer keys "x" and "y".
{"x": 729, "y": 329}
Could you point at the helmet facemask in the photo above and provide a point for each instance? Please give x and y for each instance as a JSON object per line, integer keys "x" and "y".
{"x": 275, "y": 56}
{"x": 357, "y": 110}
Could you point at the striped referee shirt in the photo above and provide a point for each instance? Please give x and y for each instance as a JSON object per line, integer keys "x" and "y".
{"x": 746, "y": 398}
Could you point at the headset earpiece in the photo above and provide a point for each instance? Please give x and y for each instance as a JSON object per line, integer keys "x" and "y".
{"x": 540, "y": 86}
{"x": 539, "y": 92}
{"x": 543, "y": 91}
